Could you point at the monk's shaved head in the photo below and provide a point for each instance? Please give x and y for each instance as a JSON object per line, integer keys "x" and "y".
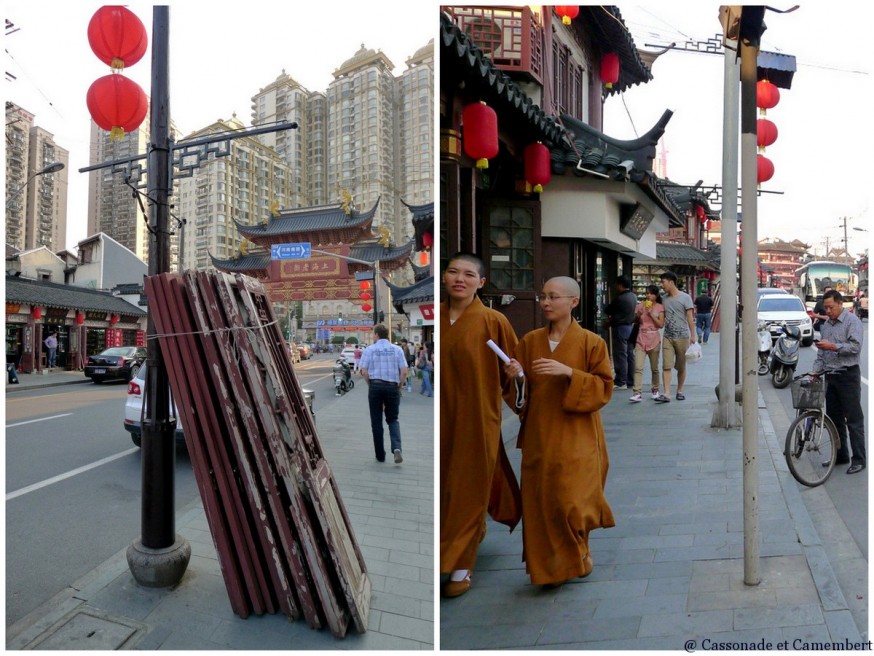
{"x": 564, "y": 285}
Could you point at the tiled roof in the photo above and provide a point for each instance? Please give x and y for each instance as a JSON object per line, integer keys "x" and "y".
{"x": 52, "y": 294}
{"x": 421, "y": 213}
{"x": 243, "y": 263}
{"x": 307, "y": 219}
{"x": 372, "y": 250}
{"x": 604, "y": 25}
{"x": 681, "y": 254}
{"x": 420, "y": 292}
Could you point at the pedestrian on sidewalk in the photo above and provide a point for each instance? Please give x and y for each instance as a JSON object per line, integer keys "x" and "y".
{"x": 475, "y": 474}
{"x": 650, "y": 315}
{"x": 410, "y": 354}
{"x": 620, "y": 317}
{"x": 356, "y": 358}
{"x": 51, "y": 344}
{"x": 703, "y": 309}
{"x": 384, "y": 368}
{"x": 838, "y": 352}
{"x": 679, "y": 331}
{"x": 12, "y": 358}
{"x": 564, "y": 452}
{"x": 425, "y": 364}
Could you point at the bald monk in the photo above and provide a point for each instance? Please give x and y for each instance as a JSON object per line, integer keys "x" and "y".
{"x": 564, "y": 454}
{"x": 471, "y": 451}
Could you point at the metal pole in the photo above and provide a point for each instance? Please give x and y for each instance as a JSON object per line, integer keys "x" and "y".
{"x": 158, "y": 559}
{"x": 749, "y": 256}
{"x": 725, "y": 412}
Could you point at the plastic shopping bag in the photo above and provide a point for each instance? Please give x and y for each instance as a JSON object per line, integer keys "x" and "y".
{"x": 694, "y": 353}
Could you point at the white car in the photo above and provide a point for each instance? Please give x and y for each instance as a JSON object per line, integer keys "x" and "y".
{"x": 133, "y": 408}
{"x": 777, "y": 309}
{"x": 348, "y": 354}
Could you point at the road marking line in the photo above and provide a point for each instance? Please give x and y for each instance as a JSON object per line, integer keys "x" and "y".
{"x": 69, "y": 474}
{"x": 33, "y": 421}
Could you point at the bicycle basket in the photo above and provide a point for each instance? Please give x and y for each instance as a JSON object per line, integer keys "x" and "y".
{"x": 810, "y": 396}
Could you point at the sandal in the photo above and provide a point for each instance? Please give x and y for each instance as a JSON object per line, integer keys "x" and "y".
{"x": 457, "y": 588}
{"x": 681, "y": 396}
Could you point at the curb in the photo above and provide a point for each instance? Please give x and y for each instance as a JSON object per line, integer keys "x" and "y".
{"x": 835, "y": 609}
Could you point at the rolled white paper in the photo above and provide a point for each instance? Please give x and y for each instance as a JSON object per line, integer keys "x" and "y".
{"x": 504, "y": 357}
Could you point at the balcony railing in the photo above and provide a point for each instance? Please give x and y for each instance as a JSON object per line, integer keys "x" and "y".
{"x": 510, "y": 36}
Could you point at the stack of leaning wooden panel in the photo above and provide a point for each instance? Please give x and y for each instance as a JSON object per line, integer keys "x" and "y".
{"x": 282, "y": 534}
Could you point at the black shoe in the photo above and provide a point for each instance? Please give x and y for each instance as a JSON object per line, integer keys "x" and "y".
{"x": 855, "y": 468}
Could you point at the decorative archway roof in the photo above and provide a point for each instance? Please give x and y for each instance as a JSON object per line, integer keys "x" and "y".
{"x": 391, "y": 258}
{"x": 251, "y": 264}
{"x": 423, "y": 221}
{"x": 320, "y": 226}
{"x": 420, "y": 292}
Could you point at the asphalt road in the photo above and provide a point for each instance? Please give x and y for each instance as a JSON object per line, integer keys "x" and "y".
{"x": 73, "y": 482}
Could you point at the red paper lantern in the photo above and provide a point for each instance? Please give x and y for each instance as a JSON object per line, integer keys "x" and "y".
{"x": 537, "y": 171}
{"x": 365, "y": 296}
{"x": 117, "y": 104}
{"x": 767, "y": 95}
{"x": 480, "y": 133}
{"x": 610, "y": 69}
{"x": 699, "y": 212}
{"x": 113, "y": 319}
{"x": 80, "y": 318}
{"x": 364, "y": 284}
{"x": 367, "y": 307}
{"x": 423, "y": 258}
{"x": 117, "y": 36}
{"x": 766, "y": 132}
{"x": 567, "y": 12}
{"x": 36, "y": 313}
{"x": 764, "y": 169}
{"x": 427, "y": 240}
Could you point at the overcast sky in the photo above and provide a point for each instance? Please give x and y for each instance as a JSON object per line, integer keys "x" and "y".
{"x": 821, "y": 154}
{"x": 221, "y": 54}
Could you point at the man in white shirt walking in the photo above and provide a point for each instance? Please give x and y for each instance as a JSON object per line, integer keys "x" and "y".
{"x": 384, "y": 367}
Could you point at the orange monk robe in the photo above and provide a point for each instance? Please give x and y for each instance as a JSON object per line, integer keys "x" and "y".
{"x": 472, "y": 382}
{"x": 564, "y": 453}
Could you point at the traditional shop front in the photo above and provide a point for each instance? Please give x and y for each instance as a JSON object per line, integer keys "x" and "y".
{"x": 85, "y": 321}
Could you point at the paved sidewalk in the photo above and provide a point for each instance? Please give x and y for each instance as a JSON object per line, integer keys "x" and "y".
{"x": 670, "y": 574}
{"x": 391, "y": 508}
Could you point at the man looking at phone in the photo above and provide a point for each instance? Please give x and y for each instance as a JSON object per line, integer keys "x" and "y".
{"x": 838, "y": 354}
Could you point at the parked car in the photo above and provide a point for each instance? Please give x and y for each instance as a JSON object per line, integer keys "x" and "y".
{"x": 775, "y": 309}
{"x": 770, "y": 290}
{"x": 116, "y": 363}
{"x": 133, "y": 408}
{"x": 305, "y": 351}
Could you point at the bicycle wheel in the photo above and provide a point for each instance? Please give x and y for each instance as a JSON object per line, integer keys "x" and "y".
{"x": 811, "y": 448}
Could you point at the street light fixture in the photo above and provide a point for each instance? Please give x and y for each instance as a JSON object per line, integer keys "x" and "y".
{"x": 52, "y": 167}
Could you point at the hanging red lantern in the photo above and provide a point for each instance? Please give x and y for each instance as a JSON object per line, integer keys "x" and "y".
{"x": 365, "y": 296}
{"x": 610, "y": 69}
{"x": 117, "y": 104}
{"x": 113, "y": 319}
{"x": 427, "y": 240}
{"x": 767, "y": 95}
{"x": 423, "y": 258}
{"x": 80, "y": 318}
{"x": 766, "y": 133}
{"x": 364, "y": 284}
{"x": 480, "y": 133}
{"x": 117, "y": 36}
{"x": 699, "y": 212}
{"x": 764, "y": 169}
{"x": 567, "y": 12}
{"x": 537, "y": 171}
{"x": 36, "y": 313}
{"x": 366, "y": 307}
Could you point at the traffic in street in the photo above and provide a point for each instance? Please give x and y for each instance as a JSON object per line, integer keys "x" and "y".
{"x": 73, "y": 481}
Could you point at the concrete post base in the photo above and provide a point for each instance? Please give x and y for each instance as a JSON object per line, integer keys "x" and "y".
{"x": 159, "y": 568}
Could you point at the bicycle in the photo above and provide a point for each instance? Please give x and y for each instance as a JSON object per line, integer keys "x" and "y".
{"x": 812, "y": 441}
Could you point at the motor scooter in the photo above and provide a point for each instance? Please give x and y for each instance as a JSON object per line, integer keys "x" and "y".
{"x": 763, "y": 337}
{"x": 784, "y": 356}
{"x": 343, "y": 376}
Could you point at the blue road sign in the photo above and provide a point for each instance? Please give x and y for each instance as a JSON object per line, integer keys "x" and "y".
{"x": 290, "y": 251}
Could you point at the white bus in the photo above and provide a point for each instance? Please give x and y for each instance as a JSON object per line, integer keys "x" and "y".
{"x": 811, "y": 278}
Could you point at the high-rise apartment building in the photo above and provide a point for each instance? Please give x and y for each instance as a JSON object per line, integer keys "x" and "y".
{"x": 112, "y": 209}
{"x": 416, "y": 120}
{"x": 244, "y": 186}
{"x": 36, "y": 205}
